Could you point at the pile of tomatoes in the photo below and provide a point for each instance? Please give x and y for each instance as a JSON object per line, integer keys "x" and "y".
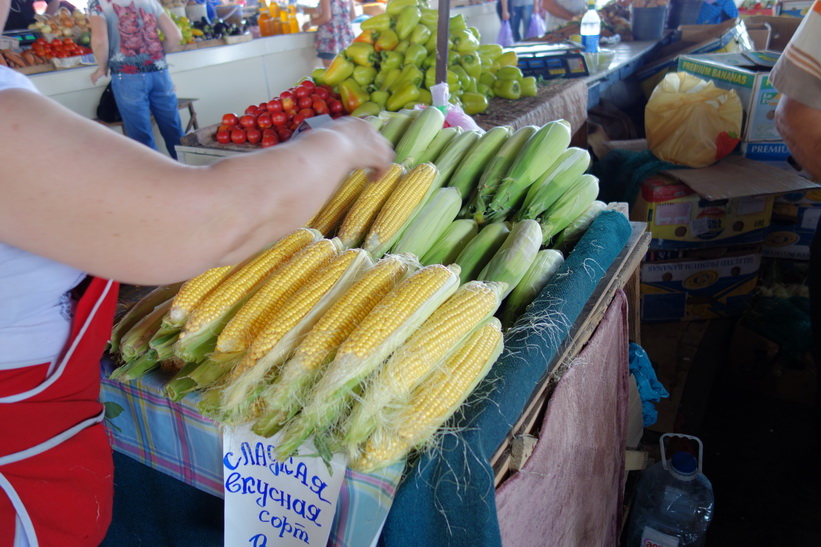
{"x": 58, "y": 48}
{"x": 267, "y": 124}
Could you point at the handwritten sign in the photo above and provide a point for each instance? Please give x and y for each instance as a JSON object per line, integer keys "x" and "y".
{"x": 270, "y": 502}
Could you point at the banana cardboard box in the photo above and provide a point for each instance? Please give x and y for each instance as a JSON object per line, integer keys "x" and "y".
{"x": 688, "y": 285}
{"x": 794, "y": 221}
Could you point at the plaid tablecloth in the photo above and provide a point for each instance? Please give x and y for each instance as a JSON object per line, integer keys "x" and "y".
{"x": 175, "y": 439}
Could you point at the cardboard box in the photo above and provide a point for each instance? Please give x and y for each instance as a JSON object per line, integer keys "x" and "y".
{"x": 693, "y": 286}
{"x": 781, "y": 29}
{"x": 794, "y": 9}
{"x": 794, "y": 221}
{"x": 748, "y": 74}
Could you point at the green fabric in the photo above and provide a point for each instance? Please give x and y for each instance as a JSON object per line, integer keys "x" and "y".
{"x": 621, "y": 173}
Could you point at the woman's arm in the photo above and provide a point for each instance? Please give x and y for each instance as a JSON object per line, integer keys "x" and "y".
{"x": 505, "y": 12}
{"x": 554, "y": 9}
{"x": 131, "y": 214}
{"x": 800, "y": 127}
{"x": 172, "y": 35}
{"x": 99, "y": 46}
{"x": 324, "y": 14}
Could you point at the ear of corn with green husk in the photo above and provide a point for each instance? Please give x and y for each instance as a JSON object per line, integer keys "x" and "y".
{"x": 199, "y": 335}
{"x": 401, "y": 207}
{"x": 447, "y": 248}
{"x": 384, "y": 329}
{"x": 544, "y": 266}
{"x": 437, "y": 213}
{"x": 439, "y": 143}
{"x": 571, "y": 235}
{"x": 418, "y": 136}
{"x": 280, "y": 336}
{"x": 135, "y": 342}
{"x": 395, "y": 126}
{"x": 466, "y": 175}
{"x": 569, "y": 166}
{"x": 570, "y": 205}
{"x": 332, "y": 213}
{"x": 514, "y": 257}
{"x": 452, "y": 155}
{"x": 496, "y": 169}
{"x": 192, "y": 293}
{"x": 434, "y": 401}
{"x": 538, "y": 154}
{"x": 411, "y": 363}
{"x": 286, "y": 396}
{"x": 139, "y": 310}
{"x": 362, "y": 213}
{"x": 479, "y": 250}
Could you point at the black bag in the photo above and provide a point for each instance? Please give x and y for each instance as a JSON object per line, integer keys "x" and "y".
{"x": 107, "y": 110}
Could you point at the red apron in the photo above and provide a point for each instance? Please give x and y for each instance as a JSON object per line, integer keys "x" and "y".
{"x": 56, "y": 471}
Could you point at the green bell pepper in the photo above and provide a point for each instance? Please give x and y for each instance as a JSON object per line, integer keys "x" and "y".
{"x": 406, "y": 21}
{"x": 415, "y": 55}
{"x": 458, "y": 22}
{"x": 390, "y": 77}
{"x": 352, "y": 95}
{"x": 339, "y": 69}
{"x": 473, "y": 103}
{"x": 430, "y": 45}
{"x": 379, "y": 23}
{"x": 409, "y": 74}
{"x": 391, "y": 60}
{"x": 364, "y": 75}
{"x": 453, "y": 79}
{"x": 508, "y": 58}
{"x": 424, "y": 96}
{"x": 491, "y": 51}
{"x": 318, "y": 76}
{"x": 475, "y": 32}
{"x": 484, "y": 89}
{"x": 471, "y": 63}
{"x": 420, "y": 35}
{"x": 529, "y": 88}
{"x": 396, "y": 6}
{"x": 488, "y": 78}
{"x": 464, "y": 41}
{"x": 464, "y": 77}
{"x": 362, "y": 53}
{"x": 380, "y": 97}
{"x": 430, "y": 18}
{"x": 429, "y": 61}
{"x": 367, "y": 108}
{"x": 402, "y": 46}
{"x": 403, "y": 95}
{"x": 507, "y": 89}
{"x": 509, "y": 73}
{"x": 387, "y": 40}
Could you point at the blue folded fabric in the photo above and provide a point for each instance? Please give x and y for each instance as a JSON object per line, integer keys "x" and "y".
{"x": 448, "y": 495}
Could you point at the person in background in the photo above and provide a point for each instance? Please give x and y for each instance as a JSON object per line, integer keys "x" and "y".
{"x": 126, "y": 44}
{"x": 333, "y": 28}
{"x": 21, "y": 13}
{"x": 797, "y": 76}
{"x": 131, "y": 215}
{"x": 714, "y": 12}
{"x": 559, "y": 12}
{"x": 518, "y": 12}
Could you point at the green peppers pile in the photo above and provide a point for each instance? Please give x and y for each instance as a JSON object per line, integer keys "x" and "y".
{"x": 391, "y": 65}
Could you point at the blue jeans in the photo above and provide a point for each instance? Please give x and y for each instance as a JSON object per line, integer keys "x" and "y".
{"x": 520, "y": 20}
{"x": 141, "y": 95}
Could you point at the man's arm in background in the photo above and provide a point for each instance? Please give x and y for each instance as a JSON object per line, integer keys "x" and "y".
{"x": 800, "y": 127}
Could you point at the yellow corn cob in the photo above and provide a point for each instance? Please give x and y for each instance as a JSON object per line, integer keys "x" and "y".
{"x": 192, "y": 293}
{"x": 470, "y": 305}
{"x": 435, "y": 400}
{"x": 286, "y": 396}
{"x": 242, "y": 330}
{"x": 364, "y": 210}
{"x": 328, "y": 218}
{"x": 279, "y": 337}
{"x": 400, "y": 208}
{"x": 207, "y": 320}
{"x": 388, "y": 325}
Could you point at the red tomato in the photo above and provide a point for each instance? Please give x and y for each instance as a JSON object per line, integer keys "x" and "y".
{"x": 296, "y": 120}
{"x": 309, "y": 84}
{"x": 306, "y": 113}
{"x": 269, "y": 131}
{"x": 300, "y": 92}
{"x": 263, "y": 107}
{"x": 248, "y": 121}
{"x": 320, "y": 107}
{"x": 251, "y": 110}
{"x": 223, "y": 136}
{"x": 304, "y": 102}
{"x": 56, "y": 42}
{"x": 269, "y": 140}
{"x": 238, "y": 136}
{"x": 228, "y": 128}
{"x": 264, "y": 121}
{"x": 287, "y": 99}
{"x": 275, "y": 105}
{"x": 230, "y": 119}
{"x": 284, "y": 133}
{"x": 253, "y": 135}
{"x": 291, "y": 112}
{"x": 279, "y": 119}
{"x": 334, "y": 106}
{"x": 323, "y": 93}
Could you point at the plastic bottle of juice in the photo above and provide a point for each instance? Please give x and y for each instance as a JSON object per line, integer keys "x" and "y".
{"x": 273, "y": 10}
{"x": 284, "y": 23}
{"x": 265, "y": 22}
{"x": 292, "y": 20}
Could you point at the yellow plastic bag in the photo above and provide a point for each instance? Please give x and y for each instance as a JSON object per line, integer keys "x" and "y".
{"x": 690, "y": 121}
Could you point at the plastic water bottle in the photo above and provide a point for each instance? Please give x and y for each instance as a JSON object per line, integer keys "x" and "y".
{"x": 591, "y": 28}
{"x": 674, "y": 502}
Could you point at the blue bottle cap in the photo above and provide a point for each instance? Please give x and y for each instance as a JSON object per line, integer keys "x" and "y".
{"x": 684, "y": 463}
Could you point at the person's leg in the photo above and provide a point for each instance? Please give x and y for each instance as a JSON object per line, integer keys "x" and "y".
{"x": 527, "y": 13}
{"x": 516, "y": 22}
{"x": 131, "y": 93}
{"x": 163, "y": 102}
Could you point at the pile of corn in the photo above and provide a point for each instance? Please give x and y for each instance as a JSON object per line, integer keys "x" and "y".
{"x": 369, "y": 327}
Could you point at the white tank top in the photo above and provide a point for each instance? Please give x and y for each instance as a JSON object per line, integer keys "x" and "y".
{"x": 35, "y": 307}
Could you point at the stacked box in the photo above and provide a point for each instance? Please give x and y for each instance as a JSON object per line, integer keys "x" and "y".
{"x": 794, "y": 221}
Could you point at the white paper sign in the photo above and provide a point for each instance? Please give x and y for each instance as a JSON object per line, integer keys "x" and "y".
{"x": 268, "y": 502}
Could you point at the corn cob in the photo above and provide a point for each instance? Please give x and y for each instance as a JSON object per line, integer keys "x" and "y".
{"x": 384, "y": 329}
{"x": 364, "y": 210}
{"x": 441, "y": 333}
{"x": 375, "y": 121}
{"x": 395, "y": 127}
{"x": 514, "y": 257}
{"x": 544, "y": 266}
{"x": 418, "y": 136}
{"x": 437, "y": 213}
{"x": 447, "y": 162}
{"x": 329, "y": 217}
{"x": 206, "y": 322}
{"x": 192, "y": 293}
{"x": 466, "y": 175}
{"x": 283, "y": 398}
{"x": 479, "y": 250}
{"x": 538, "y": 154}
{"x": 135, "y": 342}
{"x": 400, "y": 209}
{"x": 160, "y": 350}
{"x": 568, "y": 167}
{"x": 573, "y": 202}
{"x": 280, "y": 336}
{"x": 571, "y": 235}
{"x": 445, "y": 136}
{"x": 435, "y": 401}
{"x": 447, "y": 248}
{"x": 139, "y": 310}
{"x": 496, "y": 169}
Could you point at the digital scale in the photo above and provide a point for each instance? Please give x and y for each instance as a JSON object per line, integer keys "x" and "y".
{"x": 551, "y": 61}
{"x": 24, "y": 37}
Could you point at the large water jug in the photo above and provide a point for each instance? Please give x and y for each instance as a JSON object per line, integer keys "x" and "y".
{"x": 674, "y": 501}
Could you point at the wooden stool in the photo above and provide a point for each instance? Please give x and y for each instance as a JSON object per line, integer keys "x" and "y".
{"x": 181, "y": 103}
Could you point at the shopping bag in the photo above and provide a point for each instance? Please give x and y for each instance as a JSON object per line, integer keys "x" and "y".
{"x": 107, "y": 107}
{"x": 505, "y": 38}
{"x": 536, "y": 29}
{"x": 690, "y": 121}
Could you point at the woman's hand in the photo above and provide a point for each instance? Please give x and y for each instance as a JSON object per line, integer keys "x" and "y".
{"x": 99, "y": 73}
{"x": 358, "y": 144}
